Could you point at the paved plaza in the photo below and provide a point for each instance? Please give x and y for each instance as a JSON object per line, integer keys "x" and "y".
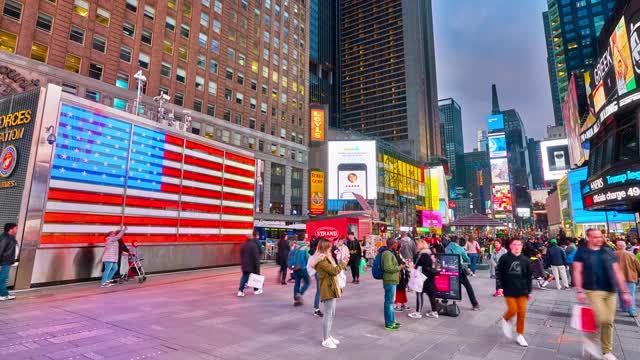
{"x": 196, "y": 315}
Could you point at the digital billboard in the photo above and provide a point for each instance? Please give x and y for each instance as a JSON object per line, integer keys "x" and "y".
{"x": 495, "y": 122}
{"x": 318, "y": 120}
{"x": 555, "y": 158}
{"x": 499, "y": 170}
{"x": 497, "y": 146}
{"x": 502, "y": 198}
{"x": 571, "y": 117}
{"x": 316, "y": 192}
{"x": 352, "y": 169}
{"x": 580, "y": 215}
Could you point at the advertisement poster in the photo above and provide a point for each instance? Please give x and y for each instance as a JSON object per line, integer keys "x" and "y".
{"x": 497, "y": 146}
{"x": 495, "y": 122}
{"x": 499, "y": 170}
{"x": 448, "y": 282}
{"x": 623, "y": 68}
{"x": 318, "y": 118}
{"x": 316, "y": 192}
{"x": 572, "y": 124}
{"x": 555, "y": 158}
{"x": 502, "y": 198}
{"x": 352, "y": 169}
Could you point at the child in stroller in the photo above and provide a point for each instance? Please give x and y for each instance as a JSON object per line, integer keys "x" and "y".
{"x": 135, "y": 265}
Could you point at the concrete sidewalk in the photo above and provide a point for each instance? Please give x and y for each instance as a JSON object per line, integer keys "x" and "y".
{"x": 196, "y": 315}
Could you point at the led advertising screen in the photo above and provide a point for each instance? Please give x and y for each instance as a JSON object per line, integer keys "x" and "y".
{"x": 502, "y": 198}
{"x": 623, "y": 67}
{"x": 448, "y": 281}
{"x": 571, "y": 117}
{"x": 495, "y": 122}
{"x": 497, "y": 146}
{"x": 499, "y": 171}
{"x": 352, "y": 170}
{"x": 582, "y": 216}
{"x": 555, "y": 158}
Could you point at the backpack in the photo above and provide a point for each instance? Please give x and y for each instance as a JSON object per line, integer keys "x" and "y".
{"x": 376, "y": 269}
{"x": 291, "y": 259}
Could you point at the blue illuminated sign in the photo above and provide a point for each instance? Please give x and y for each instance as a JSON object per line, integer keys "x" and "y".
{"x": 495, "y": 122}
{"x": 582, "y": 216}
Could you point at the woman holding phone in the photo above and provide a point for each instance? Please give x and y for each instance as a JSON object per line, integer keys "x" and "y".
{"x": 328, "y": 270}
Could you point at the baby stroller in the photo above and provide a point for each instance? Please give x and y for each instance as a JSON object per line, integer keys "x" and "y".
{"x": 135, "y": 268}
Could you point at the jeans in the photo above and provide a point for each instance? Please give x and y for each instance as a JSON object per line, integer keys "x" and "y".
{"x": 560, "y": 273}
{"x": 603, "y": 304}
{"x": 300, "y": 275}
{"x": 464, "y": 281}
{"x": 474, "y": 261}
{"x": 327, "y": 319}
{"x": 492, "y": 268}
{"x": 316, "y": 301}
{"x": 4, "y": 279}
{"x": 516, "y": 306}
{"x": 632, "y": 292}
{"x": 244, "y": 279}
{"x": 110, "y": 268}
{"x": 389, "y": 298}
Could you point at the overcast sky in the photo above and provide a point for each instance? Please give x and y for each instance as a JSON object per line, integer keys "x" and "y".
{"x": 478, "y": 43}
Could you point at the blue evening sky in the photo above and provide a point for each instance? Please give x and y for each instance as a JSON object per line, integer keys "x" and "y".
{"x": 480, "y": 42}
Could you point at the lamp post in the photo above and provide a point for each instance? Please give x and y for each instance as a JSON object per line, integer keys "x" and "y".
{"x": 141, "y": 80}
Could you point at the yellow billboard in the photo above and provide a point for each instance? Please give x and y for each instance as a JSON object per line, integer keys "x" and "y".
{"x": 316, "y": 192}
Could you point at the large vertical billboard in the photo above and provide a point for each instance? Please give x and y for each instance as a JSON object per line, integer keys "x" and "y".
{"x": 555, "y": 158}
{"x": 571, "y": 117}
{"x": 502, "y": 201}
{"x": 316, "y": 192}
{"x": 318, "y": 118}
{"x": 497, "y": 145}
{"x": 499, "y": 171}
{"x": 352, "y": 170}
{"x": 495, "y": 122}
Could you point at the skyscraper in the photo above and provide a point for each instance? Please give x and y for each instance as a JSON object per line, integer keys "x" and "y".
{"x": 481, "y": 140}
{"x": 452, "y": 138}
{"x": 571, "y": 30}
{"x": 387, "y": 73}
{"x": 535, "y": 163}
{"x": 323, "y": 37}
{"x": 477, "y": 180}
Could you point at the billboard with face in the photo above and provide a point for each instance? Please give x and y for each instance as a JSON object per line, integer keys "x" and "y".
{"x": 555, "y": 158}
{"x": 499, "y": 170}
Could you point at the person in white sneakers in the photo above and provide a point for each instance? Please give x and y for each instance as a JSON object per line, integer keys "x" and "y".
{"x": 328, "y": 271}
{"x": 8, "y": 246}
{"x": 513, "y": 280}
{"x": 424, "y": 261}
{"x": 250, "y": 253}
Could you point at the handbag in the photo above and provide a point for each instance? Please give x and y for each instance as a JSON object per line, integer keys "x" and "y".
{"x": 583, "y": 319}
{"x": 310, "y": 269}
{"x": 363, "y": 266}
{"x": 342, "y": 279}
{"x": 255, "y": 281}
{"x": 417, "y": 279}
{"x": 452, "y": 310}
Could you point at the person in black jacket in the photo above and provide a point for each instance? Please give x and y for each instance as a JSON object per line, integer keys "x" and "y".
{"x": 8, "y": 245}
{"x": 424, "y": 261}
{"x": 284, "y": 247}
{"x": 250, "y": 253}
{"x": 557, "y": 260}
{"x": 513, "y": 280}
{"x": 355, "y": 252}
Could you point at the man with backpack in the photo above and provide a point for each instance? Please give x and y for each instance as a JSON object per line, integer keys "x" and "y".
{"x": 387, "y": 269}
{"x": 297, "y": 261}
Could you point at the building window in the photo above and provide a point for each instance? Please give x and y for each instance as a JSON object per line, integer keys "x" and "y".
{"x": 202, "y": 60}
{"x": 253, "y": 104}
{"x": 216, "y": 26}
{"x": 39, "y": 52}
{"x": 183, "y": 54}
{"x": 252, "y": 123}
{"x": 237, "y": 138}
{"x": 44, "y": 22}
{"x": 197, "y": 105}
{"x": 103, "y": 16}
{"x": 178, "y": 99}
{"x": 125, "y": 54}
{"x": 129, "y": 29}
{"x": 218, "y": 7}
{"x": 167, "y": 47}
{"x": 215, "y": 46}
{"x": 143, "y": 61}
{"x": 228, "y": 94}
{"x": 81, "y": 7}
{"x": 204, "y": 19}
{"x": 263, "y": 127}
{"x": 122, "y": 80}
{"x": 69, "y": 89}
{"x": 76, "y": 34}
{"x": 186, "y": 9}
{"x": 213, "y": 66}
{"x": 92, "y": 95}
{"x": 72, "y": 63}
{"x": 239, "y": 98}
{"x": 240, "y": 79}
{"x": 12, "y": 9}
{"x": 146, "y": 37}
{"x": 227, "y": 115}
{"x": 238, "y": 119}
{"x": 199, "y": 83}
{"x": 225, "y": 135}
{"x": 99, "y": 43}
{"x": 165, "y": 70}
{"x": 213, "y": 88}
{"x": 184, "y": 31}
{"x": 95, "y": 71}
{"x": 231, "y": 54}
{"x": 181, "y": 75}
{"x": 211, "y": 110}
{"x": 132, "y": 5}
{"x": 170, "y": 23}
{"x": 229, "y": 74}
{"x": 202, "y": 39}
{"x": 149, "y": 12}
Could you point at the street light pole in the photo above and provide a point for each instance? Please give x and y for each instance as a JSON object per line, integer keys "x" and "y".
{"x": 140, "y": 79}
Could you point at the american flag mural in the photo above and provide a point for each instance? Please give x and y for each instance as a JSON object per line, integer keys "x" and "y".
{"x": 166, "y": 189}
